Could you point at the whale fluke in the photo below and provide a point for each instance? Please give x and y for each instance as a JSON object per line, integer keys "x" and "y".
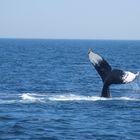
{"x": 108, "y": 75}
{"x": 100, "y": 64}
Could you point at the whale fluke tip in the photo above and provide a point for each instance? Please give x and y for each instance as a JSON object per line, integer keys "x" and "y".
{"x": 89, "y": 50}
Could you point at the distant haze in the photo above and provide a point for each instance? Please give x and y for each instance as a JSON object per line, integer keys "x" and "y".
{"x": 70, "y": 19}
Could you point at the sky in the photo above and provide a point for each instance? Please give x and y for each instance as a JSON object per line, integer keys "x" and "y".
{"x": 70, "y": 19}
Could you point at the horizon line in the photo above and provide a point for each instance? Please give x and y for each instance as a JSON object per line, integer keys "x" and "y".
{"x": 105, "y": 39}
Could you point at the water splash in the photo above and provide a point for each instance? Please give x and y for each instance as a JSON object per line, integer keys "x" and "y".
{"x": 31, "y": 98}
{"x": 45, "y": 98}
{"x": 69, "y": 97}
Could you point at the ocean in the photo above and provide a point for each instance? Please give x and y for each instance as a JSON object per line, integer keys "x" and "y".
{"x": 50, "y": 91}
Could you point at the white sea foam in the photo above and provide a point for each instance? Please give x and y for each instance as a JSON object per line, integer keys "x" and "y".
{"x": 69, "y": 97}
{"x": 2, "y": 101}
{"x": 126, "y": 98}
{"x": 45, "y": 98}
{"x": 72, "y": 97}
{"x": 28, "y": 97}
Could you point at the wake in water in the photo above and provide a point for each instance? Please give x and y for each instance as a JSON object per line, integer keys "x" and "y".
{"x": 45, "y": 98}
{"x": 30, "y": 97}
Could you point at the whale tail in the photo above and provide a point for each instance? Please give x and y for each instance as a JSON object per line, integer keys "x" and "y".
{"x": 103, "y": 69}
{"x": 100, "y": 64}
{"x": 108, "y": 75}
{"x": 105, "y": 91}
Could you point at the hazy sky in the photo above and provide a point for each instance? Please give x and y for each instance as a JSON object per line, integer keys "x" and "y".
{"x": 70, "y": 19}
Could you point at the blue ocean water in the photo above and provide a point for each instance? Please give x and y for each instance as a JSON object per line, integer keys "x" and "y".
{"x": 50, "y": 91}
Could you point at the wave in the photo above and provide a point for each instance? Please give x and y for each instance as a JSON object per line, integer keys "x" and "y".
{"x": 45, "y": 98}
{"x": 2, "y": 101}
{"x": 70, "y": 97}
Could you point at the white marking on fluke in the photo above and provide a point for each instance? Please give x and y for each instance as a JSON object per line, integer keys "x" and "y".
{"x": 129, "y": 76}
{"x": 94, "y": 58}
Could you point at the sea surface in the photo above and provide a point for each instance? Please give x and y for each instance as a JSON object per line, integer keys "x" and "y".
{"x": 50, "y": 91}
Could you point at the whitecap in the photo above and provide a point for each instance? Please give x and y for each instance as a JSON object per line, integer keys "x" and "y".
{"x": 2, "y": 101}
{"x": 72, "y": 97}
{"x": 126, "y": 98}
{"x": 29, "y": 97}
{"x": 45, "y": 98}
